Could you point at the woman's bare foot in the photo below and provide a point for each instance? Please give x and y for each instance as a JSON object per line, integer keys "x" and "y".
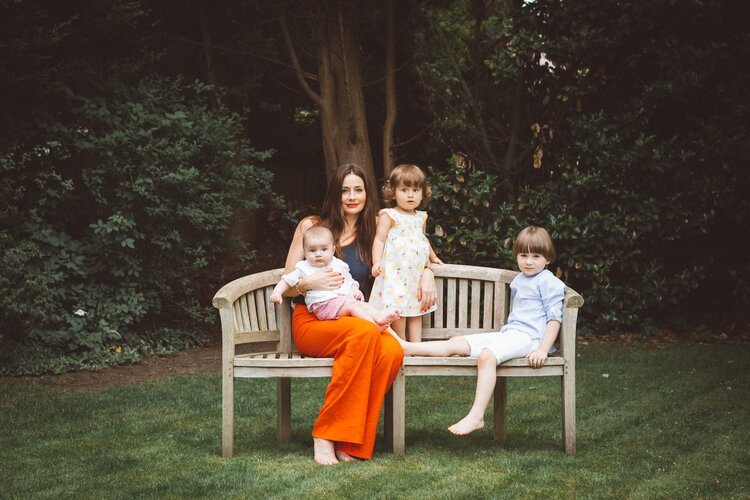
{"x": 385, "y": 318}
{"x": 324, "y": 452}
{"x": 466, "y": 425}
{"x": 344, "y": 456}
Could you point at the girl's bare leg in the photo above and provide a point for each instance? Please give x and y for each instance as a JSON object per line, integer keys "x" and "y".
{"x": 399, "y": 326}
{"x": 414, "y": 328}
{"x": 486, "y": 378}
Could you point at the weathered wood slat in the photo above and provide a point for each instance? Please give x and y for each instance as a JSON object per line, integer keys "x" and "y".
{"x": 261, "y": 302}
{"x": 446, "y": 333}
{"x": 252, "y": 337}
{"x": 471, "y": 371}
{"x": 244, "y": 310}
{"x": 270, "y": 310}
{"x": 487, "y": 306}
{"x": 252, "y": 311}
{"x": 463, "y": 303}
{"x": 438, "y": 320}
{"x": 419, "y": 361}
{"x": 476, "y": 291}
{"x": 450, "y": 306}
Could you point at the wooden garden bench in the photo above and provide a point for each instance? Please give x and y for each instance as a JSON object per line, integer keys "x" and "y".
{"x": 470, "y": 300}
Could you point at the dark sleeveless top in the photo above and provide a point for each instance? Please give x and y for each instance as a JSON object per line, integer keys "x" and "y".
{"x": 358, "y": 269}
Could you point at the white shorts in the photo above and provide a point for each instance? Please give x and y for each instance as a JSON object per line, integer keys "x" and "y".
{"x": 506, "y": 345}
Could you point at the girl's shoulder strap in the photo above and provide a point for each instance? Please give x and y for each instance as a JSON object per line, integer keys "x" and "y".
{"x": 390, "y": 212}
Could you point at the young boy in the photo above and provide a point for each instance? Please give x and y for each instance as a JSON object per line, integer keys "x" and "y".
{"x": 347, "y": 300}
{"x": 531, "y": 329}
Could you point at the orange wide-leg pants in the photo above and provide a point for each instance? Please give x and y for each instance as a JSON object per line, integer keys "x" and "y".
{"x": 365, "y": 363}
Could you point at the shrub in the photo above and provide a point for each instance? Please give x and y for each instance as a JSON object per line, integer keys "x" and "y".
{"x": 465, "y": 225}
{"x": 112, "y": 219}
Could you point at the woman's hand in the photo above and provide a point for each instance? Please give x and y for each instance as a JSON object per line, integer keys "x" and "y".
{"x": 427, "y": 293}
{"x": 326, "y": 280}
{"x": 375, "y": 270}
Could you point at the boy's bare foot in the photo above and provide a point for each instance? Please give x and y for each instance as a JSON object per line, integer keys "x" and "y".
{"x": 385, "y": 318}
{"x": 324, "y": 452}
{"x": 466, "y": 426}
{"x": 344, "y": 456}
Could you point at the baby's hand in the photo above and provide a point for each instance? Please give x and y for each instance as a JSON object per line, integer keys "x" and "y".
{"x": 275, "y": 298}
{"x": 376, "y": 270}
{"x": 359, "y": 295}
{"x": 536, "y": 358}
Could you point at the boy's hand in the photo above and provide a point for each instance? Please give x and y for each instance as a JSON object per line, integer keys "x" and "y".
{"x": 375, "y": 270}
{"x": 359, "y": 295}
{"x": 536, "y": 358}
{"x": 275, "y": 298}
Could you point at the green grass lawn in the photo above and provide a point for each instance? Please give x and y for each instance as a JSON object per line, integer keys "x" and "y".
{"x": 652, "y": 423}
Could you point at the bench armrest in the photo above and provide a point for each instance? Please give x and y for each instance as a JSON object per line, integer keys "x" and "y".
{"x": 230, "y": 292}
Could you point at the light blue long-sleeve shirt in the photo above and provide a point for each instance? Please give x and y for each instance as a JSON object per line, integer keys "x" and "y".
{"x": 537, "y": 300}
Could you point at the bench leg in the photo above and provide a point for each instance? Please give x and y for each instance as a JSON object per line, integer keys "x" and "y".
{"x": 500, "y": 400}
{"x": 284, "y": 409}
{"x": 568, "y": 391}
{"x": 388, "y": 419}
{"x": 398, "y": 410}
{"x": 227, "y": 413}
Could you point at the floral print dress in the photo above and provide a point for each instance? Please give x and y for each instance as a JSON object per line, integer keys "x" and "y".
{"x": 407, "y": 252}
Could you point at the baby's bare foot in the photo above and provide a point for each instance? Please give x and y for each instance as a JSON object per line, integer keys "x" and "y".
{"x": 344, "y": 456}
{"x": 385, "y": 318}
{"x": 324, "y": 452}
{"x": 466, "y": 425}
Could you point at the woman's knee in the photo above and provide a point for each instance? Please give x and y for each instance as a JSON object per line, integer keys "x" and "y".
{"x": 365, "y": 332}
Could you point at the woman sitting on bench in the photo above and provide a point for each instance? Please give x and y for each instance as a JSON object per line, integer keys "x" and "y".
{"x": 366, "y": 360}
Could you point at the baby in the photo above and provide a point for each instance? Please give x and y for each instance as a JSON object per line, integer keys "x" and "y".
{"x": 347, "y": 300}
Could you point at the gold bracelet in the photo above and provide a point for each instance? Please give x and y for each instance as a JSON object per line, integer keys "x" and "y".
{"x": 296, "y": 287}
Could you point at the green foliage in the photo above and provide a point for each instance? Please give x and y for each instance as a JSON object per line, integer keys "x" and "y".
{"x": 628, "y": 150}
{"x": 464, "y": 224}
{"x": 115, "y": 217}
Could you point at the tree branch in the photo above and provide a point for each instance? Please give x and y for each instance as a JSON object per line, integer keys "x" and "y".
{"x": 295, "y": 64}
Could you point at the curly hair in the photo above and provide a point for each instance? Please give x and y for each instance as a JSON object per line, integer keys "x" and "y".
{"x": 409, "y": 176}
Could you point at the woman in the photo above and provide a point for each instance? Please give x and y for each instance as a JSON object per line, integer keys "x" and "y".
{"x": 366, "y": 361}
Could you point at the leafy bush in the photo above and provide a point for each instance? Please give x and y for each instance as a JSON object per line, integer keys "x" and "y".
{"x": 111, "y": 221}
{"x": 616, "y": 243}
{"x": 465, "y": 225}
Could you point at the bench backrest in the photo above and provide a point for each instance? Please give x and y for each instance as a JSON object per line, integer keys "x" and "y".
{"x": 470, "y": 299}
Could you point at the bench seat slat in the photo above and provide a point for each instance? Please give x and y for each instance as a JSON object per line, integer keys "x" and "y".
{"x": 280, "y": 360}
{"x": 467, "y": 361}
{"x": 471, "y": 371}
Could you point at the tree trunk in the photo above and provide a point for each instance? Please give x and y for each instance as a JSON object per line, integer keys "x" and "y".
{"x": 342, "y": 104}
{"x": 342, "y": 116}
{"x": 390, "y": 90}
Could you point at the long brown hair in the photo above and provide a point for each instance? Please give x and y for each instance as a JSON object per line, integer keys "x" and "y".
{"x": 332, "y": 215}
